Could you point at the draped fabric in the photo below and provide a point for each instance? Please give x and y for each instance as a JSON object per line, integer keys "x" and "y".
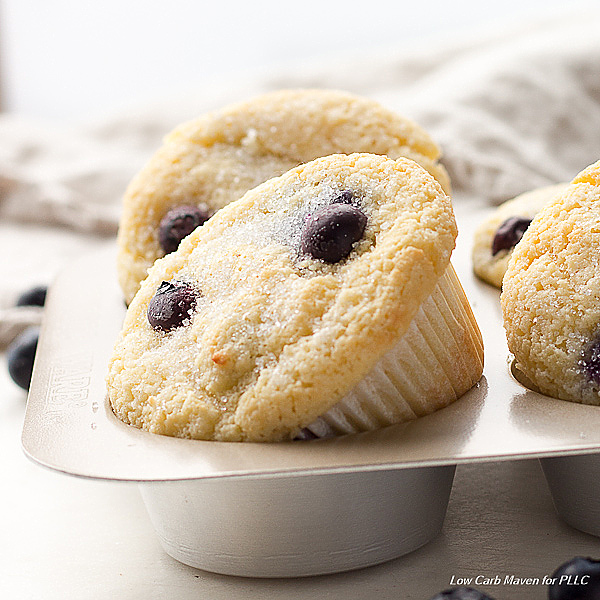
{"x": 512, "y": 111}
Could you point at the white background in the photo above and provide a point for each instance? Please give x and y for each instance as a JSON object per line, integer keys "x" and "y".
{"x": 69, "y": 61}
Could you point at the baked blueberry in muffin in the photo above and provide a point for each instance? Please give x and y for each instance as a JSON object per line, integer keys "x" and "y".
{"x": 496, "y": 237}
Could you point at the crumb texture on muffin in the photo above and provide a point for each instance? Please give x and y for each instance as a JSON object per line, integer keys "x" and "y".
{"x": 551, "y": 294}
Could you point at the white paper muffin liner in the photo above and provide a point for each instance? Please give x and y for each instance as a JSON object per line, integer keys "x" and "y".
{"x": 437, "y": 360}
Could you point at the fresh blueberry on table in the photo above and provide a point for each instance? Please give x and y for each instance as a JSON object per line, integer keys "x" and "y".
{"x": 461, "y": 593}
{"x": 577, "y": 579}
{"x": 20, "y": 355}
{"x": 36, "y": 296}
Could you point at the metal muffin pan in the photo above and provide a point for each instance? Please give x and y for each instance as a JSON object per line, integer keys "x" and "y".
{"x": 305, "y": 507}
{"x": 297, "y": 525}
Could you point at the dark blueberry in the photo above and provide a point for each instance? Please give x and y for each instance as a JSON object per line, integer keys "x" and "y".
{"x": 178, "y": 223}
{"x": 20, "y": 355}
{"x": 345, "y": 197}
{"x": 330, "y": 233}
{"x": 509, "y": 233}
{"x": 461, "y": 593}
{"x": 590, "y": 363}
{"x": 172, "y": 305}
{"x": 34, "y": 297}
{"x": 577, "y": 579}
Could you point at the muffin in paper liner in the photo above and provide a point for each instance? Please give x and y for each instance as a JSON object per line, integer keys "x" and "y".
{"x": 437, "y": 360}
{"x": 263, "y": 320}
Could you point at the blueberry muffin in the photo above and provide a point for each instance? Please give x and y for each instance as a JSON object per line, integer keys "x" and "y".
{"x": 495, "y": 238}
{"x": 206, "y": 163}
{"x": 551, "y": 294}
{"x": 322, "y": 299}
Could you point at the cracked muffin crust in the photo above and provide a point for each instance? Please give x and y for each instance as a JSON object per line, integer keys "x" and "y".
{"x": 208, "y": 162}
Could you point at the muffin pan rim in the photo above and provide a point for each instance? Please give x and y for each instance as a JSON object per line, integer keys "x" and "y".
{"x": 69, "y": 427}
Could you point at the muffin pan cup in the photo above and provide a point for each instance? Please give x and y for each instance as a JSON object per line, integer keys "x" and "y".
{"x": 574, "y": 483}
{"x": 304, "y": 507}
{"x": 573, "y": 480}
{"x": 257, "y": 510}
{"x": 297, "y": 525}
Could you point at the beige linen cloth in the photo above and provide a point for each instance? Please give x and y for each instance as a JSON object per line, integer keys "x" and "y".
{"x": 512, "y": 111}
